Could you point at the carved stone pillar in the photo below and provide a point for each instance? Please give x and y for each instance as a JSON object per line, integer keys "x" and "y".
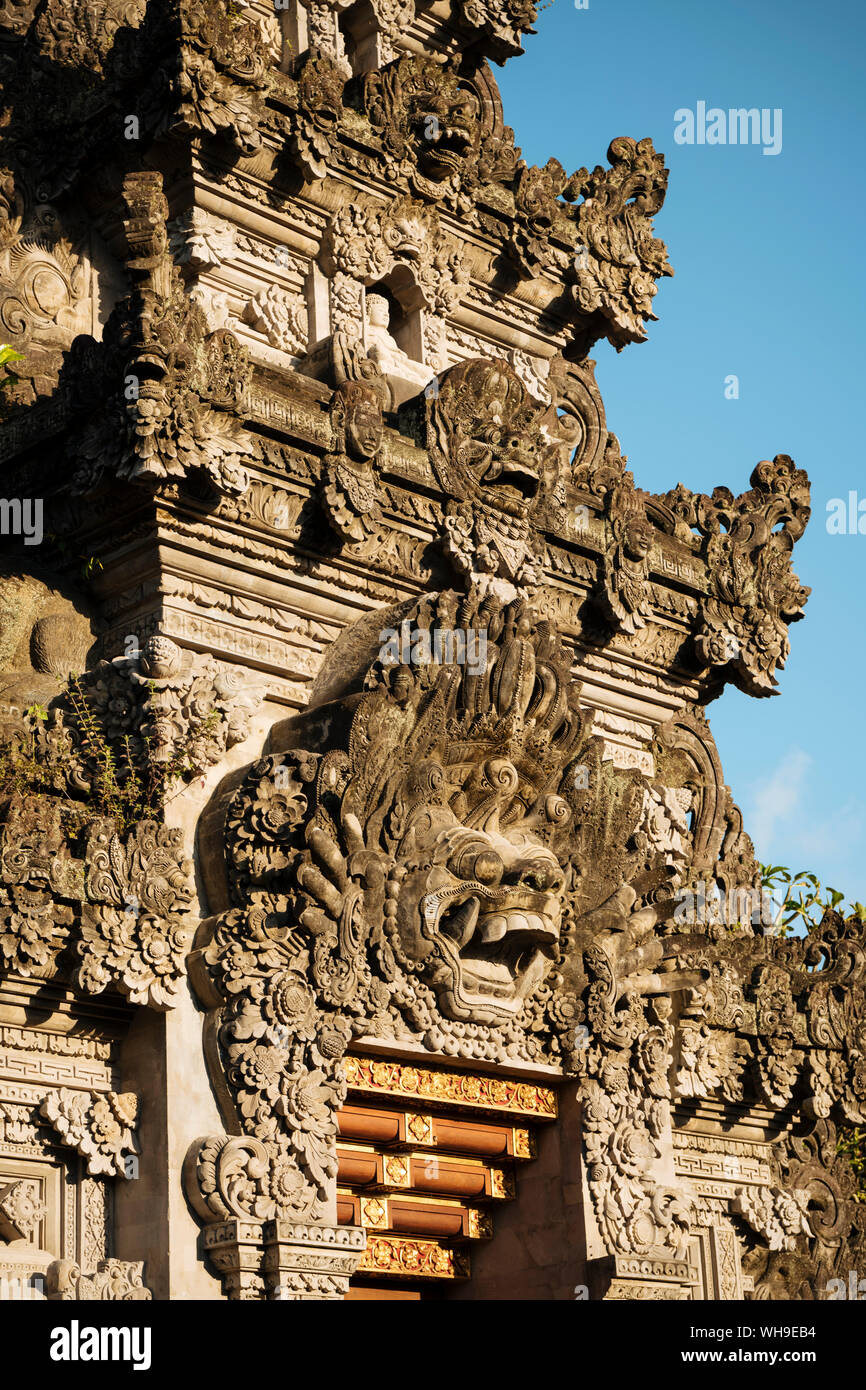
{"x": 618, "y": 1277}
{"x": 310, "y": 1262}
{"x": 234, "y": 1250}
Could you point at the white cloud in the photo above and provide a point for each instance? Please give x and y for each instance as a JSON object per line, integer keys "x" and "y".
{"x": 777, "y": 800}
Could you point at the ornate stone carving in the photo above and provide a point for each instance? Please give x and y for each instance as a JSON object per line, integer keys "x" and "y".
{"x": 168, "y": 413}
{"x": 163, "y": 705}
{"x": 224, "y": 65}
{"x": 350, "y": 493}
{"x": 623, "y": 594}
{"x": 423, "y": 856}
{"x": 501, "y": 455}
{"x": 312, "y": 126}
{"x": 616, "y": 279}
{"x": 200, "y": 240}
{"x": 101, "y": 1127}
{"x": 82, "y": 893}
{"x": 391, "y": 361}
{"x": 282, "y": 317}
{"x": 747, "y": 542}
{"x": 83, "y": 33}
{"x": 500, "y": 23}
{"x": 366, "y": 244}
{"x": 428, "y": 121}
{"x": 118, "y": 1281}
{"x": 112, "y": 918}
{"x": 46, "y": 293}
{"x": 21, "y": 1210}
{"x": 780, "y": 1217}
{"x": 626, "y": 1117}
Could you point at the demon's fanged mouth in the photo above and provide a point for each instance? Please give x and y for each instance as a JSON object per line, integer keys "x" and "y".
{"x": 450, "y": 149}
{"x": 522, "y": 480}
{"x": 496, "y": 943}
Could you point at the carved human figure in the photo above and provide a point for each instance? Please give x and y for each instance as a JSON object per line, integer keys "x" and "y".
{"x": 362, "y": 422}
{"x": 383, "y": 349}
{"x": 349, "y": 481}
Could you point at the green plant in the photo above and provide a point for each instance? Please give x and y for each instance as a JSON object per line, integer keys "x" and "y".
{"x": 803, "y": 899}
{"x": 7, "y": 355}
{"x": 76, "y": 763}
{"x": 88, "y": 564}
{"x": 851, "y": 1144}
{"x": 804, "y": 902}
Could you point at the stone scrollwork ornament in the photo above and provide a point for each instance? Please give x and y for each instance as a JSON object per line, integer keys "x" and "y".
{"x": 99, "y": 1127}
{"x": 120, "y": 1281}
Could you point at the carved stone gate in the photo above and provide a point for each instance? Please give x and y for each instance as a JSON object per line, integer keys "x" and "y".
{"x": 359, "y": 812}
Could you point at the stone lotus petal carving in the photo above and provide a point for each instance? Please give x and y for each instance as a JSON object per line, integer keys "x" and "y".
{"x": 101, "y": 1127}
{"x": 119, "y": 1281}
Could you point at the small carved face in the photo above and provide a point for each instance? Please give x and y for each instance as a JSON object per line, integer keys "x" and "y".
{"x": 487, "y": 429}
{"x": 446, "y": 125}
{"x": 483, "y": 917}
{"x": 161, "y": 657}
{"x": 638, "y": 538}
{"x": 378, "y": 312}
{"x": 362, "y": 420}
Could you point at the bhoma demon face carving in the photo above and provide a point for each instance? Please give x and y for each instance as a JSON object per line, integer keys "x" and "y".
{"x": 414, "y": 835}
{"x": 425, "y": 856}
{"x": 489, "y": 440}
{"x": 428, "y": 119}
{"x": 476, "y": 902}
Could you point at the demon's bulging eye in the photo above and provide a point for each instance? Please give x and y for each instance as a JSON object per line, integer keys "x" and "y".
{"x": 480, "y": 864}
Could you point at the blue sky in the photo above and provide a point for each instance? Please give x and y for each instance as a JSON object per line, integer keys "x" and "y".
{"x": 769, "y": 287}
